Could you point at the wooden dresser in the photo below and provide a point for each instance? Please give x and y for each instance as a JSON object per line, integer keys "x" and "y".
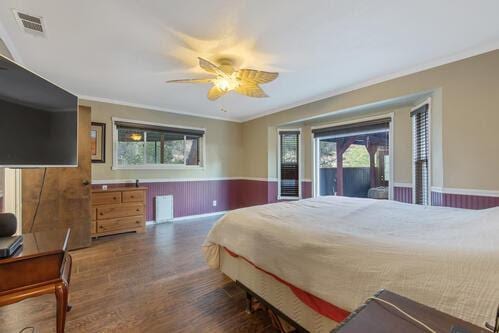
{"x": 118, "y": 210}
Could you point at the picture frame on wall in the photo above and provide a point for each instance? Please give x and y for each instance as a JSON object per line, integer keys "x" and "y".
{"x": 98, "y": 142}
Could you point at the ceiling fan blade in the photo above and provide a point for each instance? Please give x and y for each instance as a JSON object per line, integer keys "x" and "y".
{"x": 207, "y": 80}
{"x": 209, "y": 67}
{"x": 255, "y": 76}
{"x": 215, "y": 93}
{"x": 251, "y": 90}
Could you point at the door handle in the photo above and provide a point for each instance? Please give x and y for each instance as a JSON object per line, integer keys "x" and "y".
{"x": 85, "y": 182}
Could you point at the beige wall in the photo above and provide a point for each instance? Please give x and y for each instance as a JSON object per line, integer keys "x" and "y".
{"x": 223, "y": 143}
{"x": 465, "y": 118}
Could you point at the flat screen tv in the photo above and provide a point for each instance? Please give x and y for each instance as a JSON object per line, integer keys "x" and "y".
{"x": 38, "y": 120}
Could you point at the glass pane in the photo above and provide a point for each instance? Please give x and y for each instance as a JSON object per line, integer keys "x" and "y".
{"x": 327, "y": 154}
{"x": 289, "y": 148}
{"x": 387, "y": 168}
{"x": 130, "y": 147}
{"x": 174, "y": 149}
{"x": 192, "y": 150}
{"x": 364, "y": 169}
{"x": 356, "y": 156}
{"x": 153, "y": 147}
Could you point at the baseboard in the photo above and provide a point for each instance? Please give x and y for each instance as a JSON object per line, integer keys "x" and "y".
{"x": 188, "y": 217}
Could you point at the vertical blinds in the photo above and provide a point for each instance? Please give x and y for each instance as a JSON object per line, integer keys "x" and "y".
{"x": 420, "y": 141}
{"x": 289, "y": 169}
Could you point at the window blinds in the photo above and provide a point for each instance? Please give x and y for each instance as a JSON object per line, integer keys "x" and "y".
{"x": 161, "y": 129}
{"x": 420, "y": 132}
{"x": 375, "y": 125}
{"x": 289, "y": 169}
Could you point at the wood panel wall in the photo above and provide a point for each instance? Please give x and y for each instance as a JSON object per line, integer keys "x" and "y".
{"x": 64, "y": 200}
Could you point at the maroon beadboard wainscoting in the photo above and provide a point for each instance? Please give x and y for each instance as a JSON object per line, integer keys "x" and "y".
{"x": 463, "y": 200}
{"x": 196, "y": 197}
{"x": 191, "y": 197}
{"x": 306, "y": 189}
{"x": 402, "y": 194}
{"x": 468, "y": 201}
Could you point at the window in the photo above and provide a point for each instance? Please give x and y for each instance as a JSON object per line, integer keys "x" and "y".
{"x": 353, "y": 159}
{"x": 155, "y": 146}
{"x": 289, "y": 157}
{"x": 420, "y": 139}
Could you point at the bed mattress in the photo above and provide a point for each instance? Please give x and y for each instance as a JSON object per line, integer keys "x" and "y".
{"x": 343, "y": 250}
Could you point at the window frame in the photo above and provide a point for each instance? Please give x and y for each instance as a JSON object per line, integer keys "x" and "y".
{"x": 284, "y": 130}
{"x": 202, "y": 147}
{"x": 316, "y": 149}
{"x": 429, "y": 162}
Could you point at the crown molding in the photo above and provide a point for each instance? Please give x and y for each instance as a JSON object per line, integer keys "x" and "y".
{"x": 429, "y": 65}
{"x": 152, "y": 107}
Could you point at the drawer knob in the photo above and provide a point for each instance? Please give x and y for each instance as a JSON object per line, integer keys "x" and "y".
{"x": 101, "y": 227}
{"x": 132, "y": 196}
{"x": 101, "y": 213}
{"x": 137, "y": 209}
{"x": 137, "y": 222}
{"x": 114, "y": 198}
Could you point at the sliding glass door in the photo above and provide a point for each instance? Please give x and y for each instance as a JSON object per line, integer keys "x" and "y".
{"x": 354, "y": 160}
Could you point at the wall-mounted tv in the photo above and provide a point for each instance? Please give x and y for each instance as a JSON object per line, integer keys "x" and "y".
{"x": 38, "y": 120}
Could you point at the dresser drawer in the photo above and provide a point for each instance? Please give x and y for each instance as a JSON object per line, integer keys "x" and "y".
{"x": 106, "y": 198}
{"x": 123, "y": 223}
{"x": 123, "y": 210}
{"x": 133, "y": 196}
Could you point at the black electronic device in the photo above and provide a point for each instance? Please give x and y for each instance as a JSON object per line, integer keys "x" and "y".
{"x": 9, "y": 245}
{"x": 38, "y": 120}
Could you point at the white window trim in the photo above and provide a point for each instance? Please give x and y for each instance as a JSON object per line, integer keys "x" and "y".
{"x": 426, "y": 101}
{"x": 279, "y": 131}
{"x": 316, "y": 153}
{"x": 202, "y": 153}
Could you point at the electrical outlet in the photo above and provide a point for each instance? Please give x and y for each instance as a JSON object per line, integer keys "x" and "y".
{"x": 214, "y": 203}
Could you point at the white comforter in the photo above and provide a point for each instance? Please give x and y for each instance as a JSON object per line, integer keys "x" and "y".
{"x": 343, "y": 250}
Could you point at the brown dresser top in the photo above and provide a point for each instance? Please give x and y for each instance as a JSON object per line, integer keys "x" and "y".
{"x": 119, "y": 189}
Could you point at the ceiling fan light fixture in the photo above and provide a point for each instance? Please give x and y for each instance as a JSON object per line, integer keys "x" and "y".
{"x": 226, "y": 83}
{"x": 243, "y": 81}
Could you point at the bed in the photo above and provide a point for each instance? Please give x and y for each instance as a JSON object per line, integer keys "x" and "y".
{"x": 342, "y": 250}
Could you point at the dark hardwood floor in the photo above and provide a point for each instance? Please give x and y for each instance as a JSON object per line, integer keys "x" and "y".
{"x": 151, "y": 282}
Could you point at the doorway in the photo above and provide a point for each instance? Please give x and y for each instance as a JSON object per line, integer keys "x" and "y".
{"x": 354, "y": 160}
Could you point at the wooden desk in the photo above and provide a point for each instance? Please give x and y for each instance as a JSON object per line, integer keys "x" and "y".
{"x": 377, "y": 317}
{"x": 41, "y": 266}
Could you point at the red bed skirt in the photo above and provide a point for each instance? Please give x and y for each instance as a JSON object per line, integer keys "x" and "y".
{"x": 318, "y": 305}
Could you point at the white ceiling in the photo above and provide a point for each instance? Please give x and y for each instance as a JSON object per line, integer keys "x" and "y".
{"x": 124, "y": 50}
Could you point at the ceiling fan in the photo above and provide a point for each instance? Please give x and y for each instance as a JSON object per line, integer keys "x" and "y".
{"x": 227, "y": 78}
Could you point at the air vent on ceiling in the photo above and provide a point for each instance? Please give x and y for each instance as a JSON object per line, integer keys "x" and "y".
{"x": 29, "y": 23}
